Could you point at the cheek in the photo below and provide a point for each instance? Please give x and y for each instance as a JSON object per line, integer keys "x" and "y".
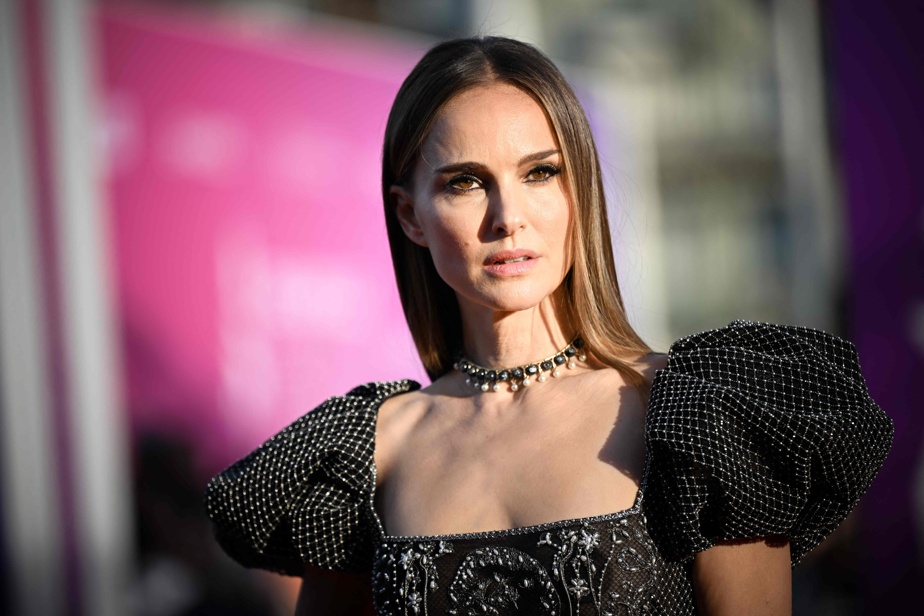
{"x": 555, "y": 215}
{"x": 450, "y": 241}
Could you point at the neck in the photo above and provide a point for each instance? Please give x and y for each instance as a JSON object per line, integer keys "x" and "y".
{"x": 505, "y": 339}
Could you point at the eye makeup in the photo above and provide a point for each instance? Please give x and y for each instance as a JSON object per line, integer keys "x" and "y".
{"x": 467, "y": 182}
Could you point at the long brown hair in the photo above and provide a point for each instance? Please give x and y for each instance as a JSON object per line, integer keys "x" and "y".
{"x": 591, "y": 289}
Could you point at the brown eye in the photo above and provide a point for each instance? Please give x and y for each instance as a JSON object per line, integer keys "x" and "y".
{"x": 542, "y": 173}
{"x": 463, "y": 184}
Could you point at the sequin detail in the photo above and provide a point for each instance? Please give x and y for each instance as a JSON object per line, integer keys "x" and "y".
{"x": 757, "y": 430}
{"x": 752, "y": 430}
{"x": 305, "y": 495}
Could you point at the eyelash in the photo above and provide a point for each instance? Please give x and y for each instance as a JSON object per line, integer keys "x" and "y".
{"x": 550, "y": 170}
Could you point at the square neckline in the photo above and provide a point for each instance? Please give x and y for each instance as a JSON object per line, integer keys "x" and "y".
{"x": 634, "y": 509}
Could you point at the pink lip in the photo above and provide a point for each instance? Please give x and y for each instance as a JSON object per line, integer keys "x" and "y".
{"x": 494, "y": 264}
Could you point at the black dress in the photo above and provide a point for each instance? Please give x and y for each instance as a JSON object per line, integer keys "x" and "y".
{"x": 752, "y": 430}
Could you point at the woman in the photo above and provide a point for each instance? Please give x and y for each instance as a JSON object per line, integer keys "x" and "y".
{"x": 493, "y": 490}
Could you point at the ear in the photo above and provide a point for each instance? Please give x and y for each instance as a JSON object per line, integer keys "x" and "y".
{"x": 403, "y": 203}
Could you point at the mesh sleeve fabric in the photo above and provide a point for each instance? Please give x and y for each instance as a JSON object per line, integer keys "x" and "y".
{"x": 756, "y": 430}
{"x": 304, "y": 496}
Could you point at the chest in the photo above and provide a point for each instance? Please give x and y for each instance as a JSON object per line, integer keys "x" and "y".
{"x": 462, "y": 472}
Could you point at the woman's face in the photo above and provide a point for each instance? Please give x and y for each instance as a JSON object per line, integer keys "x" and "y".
{"x": 488, "y": 200}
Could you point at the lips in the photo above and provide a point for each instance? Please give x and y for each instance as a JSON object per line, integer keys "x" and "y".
{"x": 518, "y": 255}
{"x": 511, "y": 262}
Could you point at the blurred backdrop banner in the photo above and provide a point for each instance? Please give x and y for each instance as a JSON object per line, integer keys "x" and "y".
{"x": 253, "y": 274}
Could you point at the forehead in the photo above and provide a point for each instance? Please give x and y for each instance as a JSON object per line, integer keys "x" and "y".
{"x": 486, "y": 124}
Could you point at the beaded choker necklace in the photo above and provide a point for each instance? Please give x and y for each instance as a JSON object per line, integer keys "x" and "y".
{"x": 488, "y": 379}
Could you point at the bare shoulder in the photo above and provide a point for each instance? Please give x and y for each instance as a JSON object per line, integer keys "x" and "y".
{"x": 608, "y": 380}
{"x": 649, "y": 364}
{"x": 397, "y": 417}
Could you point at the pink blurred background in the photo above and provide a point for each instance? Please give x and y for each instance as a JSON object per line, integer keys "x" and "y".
{"x": 245, "y": 198}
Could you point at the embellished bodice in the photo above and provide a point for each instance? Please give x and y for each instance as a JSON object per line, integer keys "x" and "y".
{"x": 604, "y": 565}
{"x": 751, "y": 430}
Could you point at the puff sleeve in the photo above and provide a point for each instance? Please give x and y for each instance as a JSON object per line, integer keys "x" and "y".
{"x": 304, "y": 496}
{"x": 756, "y": 430}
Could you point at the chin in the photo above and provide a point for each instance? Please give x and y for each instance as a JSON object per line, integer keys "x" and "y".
{"x": 512, "y": 298}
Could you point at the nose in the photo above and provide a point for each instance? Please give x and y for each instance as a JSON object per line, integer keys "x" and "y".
{"x": 507, "y": 210}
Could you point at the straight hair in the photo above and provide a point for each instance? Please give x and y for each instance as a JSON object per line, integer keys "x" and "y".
{"x": 591, "y": 289}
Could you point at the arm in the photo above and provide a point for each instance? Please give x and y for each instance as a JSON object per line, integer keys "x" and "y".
{"x": 744, "y": 577}
{"x": 330, "y": 593}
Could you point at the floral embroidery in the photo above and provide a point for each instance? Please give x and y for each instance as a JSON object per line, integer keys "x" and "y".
{"x": 495, "y": 581}
{"x": 573, "y": 563}
{"x": 636, "y": 555}
{"x": 575, "y": 566}
{"x": 413, "y": 574}
{"x": 578, "y": 588}
{"x": 606, "y": 566}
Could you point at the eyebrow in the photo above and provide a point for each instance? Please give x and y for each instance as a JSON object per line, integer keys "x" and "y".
{"x": 473, "y": 166}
